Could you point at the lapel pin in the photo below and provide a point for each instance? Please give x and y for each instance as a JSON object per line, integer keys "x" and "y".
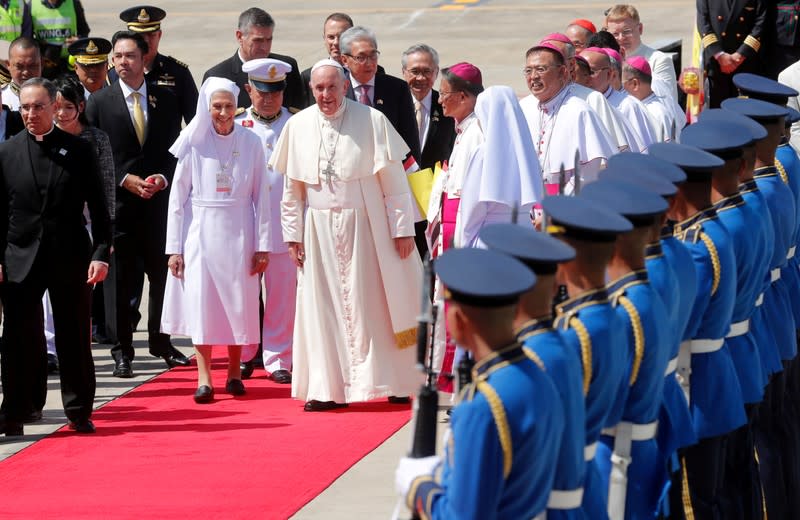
{"x": 62, "y": 152}
{"x": 379, "y": 102}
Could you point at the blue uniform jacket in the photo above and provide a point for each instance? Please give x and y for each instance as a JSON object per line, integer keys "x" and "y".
{"x": 748, "y": 248}
{"x": 788, "y": 165}
{"x": 500, "y": 459}
{"x": 762, "y": 332}
{"x": 563, "y": 366}
{"x": 664, "y": 260}
{"x": 716, "y": 401}
{"x": 589, "y": 325}
{"x": 777, "y": 309}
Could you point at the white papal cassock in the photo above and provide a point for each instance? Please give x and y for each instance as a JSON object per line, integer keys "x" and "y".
{"x": 280, "y": 278}
{"x": 217, "y": 231}
{"x": 356, "y": 298}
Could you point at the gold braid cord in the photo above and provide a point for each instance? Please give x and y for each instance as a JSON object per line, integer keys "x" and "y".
{"x": 712, "y": 251}
{"x": 500, "y": 420}
{"x": 638, "y": 336}
{"x": 686, "y": 497}
{"x": 782, "y": 171}
{"x": 586, "y": 351}
{"x": 533, "y": 356}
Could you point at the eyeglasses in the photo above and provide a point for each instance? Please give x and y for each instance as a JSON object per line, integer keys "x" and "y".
{"x": 443, "y": 94}
{"x": 538, "y": 70}
{"x": 627, "y": 33}
{"x": 36, "y": 107}
{"x": 363, "y": 58}
{"x": 595, "y": 72}
{"x": 427, "y": 73}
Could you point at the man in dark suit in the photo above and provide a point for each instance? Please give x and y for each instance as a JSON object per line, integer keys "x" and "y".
{"x": 46, "y": 176}
{"x": 254, "y": 34}
{"x": 390, "y": 95}
{"x": 10, "y": 123}
{"x": 142, "y": 121}
{"x": 436, "y": 132}
{"x": 732, "y": 32}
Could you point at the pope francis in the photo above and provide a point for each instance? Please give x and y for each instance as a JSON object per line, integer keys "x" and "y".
{"x": 347, "y": 214}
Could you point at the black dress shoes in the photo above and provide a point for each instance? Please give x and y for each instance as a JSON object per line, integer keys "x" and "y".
{"x": 52, "y": 364}
{"x": 123, "y": 367}
{"x": 173, "y": 357}
{"x": 247, "y": 368}
{"x": 204, "y": 395}
{"x": 235, "y": 387}
{"x": 322, "y": 406}
{"x": 393, "y": 399}
{"x": 282, "y": 376}
{"x": 82, "y": 426}
{"x": 11, "y": 428}
{"x": 32, "y": 417}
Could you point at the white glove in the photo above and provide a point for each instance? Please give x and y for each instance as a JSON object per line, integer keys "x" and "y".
{"x": 409, "y": 469}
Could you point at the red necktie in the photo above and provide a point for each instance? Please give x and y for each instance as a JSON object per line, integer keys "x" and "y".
{"x": 364, "y": 97}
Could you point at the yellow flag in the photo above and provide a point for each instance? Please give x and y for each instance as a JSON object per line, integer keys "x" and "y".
{"x": 421, "y": 183}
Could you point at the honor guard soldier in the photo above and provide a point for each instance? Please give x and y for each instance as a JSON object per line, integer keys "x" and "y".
{"x": 164, "y": 71}
{"x": 91, "y": 62}
{"x": 671, "y": 272}
{"x": 501, "y": 451}
{"x": 588, "y": 322}
{"x": 707, "y": 373}
{"x": 743, "y": 490}
{"x": 542, "y": 254}
{"x": 775, "y": 429}
{"x": 628, "y": 457}
{"x": 732, "y": 42}
{"x": 266, "y": 117}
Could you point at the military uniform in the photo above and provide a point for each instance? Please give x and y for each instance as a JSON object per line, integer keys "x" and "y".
{"x": 589, "y": 326}
{"x": 500, "y": 453}
{"x": 542, "y": 254}
{"x": 725, "y": 28}
{"x": 785, "y": 26}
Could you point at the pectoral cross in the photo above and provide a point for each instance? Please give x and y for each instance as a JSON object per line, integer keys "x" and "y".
{"x": 330, "y": 174}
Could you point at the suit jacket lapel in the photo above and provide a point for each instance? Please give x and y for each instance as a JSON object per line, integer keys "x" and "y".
{"x": 122, "y": 107}
{"x": 433, "y": 121}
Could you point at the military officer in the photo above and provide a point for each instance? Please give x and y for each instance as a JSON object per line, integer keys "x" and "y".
{"x": 785, "y": 26}
{"x": 588, "y": 322}
{"x": 542, "y": 254}
{"x": 731, "y": 42}
{"x": 91, "y": 62}
{"x": 743, "y": 490}
{"x": 161, "y": 70}
{"x": 266, "y": 117}
{"x": 707, "y": 373}
{"x": 500, "y": 453}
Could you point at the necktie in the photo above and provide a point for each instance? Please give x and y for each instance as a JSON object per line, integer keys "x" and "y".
{"x": 418, "y": 112}
{"x": 138, "y": 118}
{"x": 364, "y": 97}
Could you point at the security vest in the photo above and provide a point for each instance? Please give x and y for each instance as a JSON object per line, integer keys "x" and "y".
{"x": 53, "y": 25}
{"x": 11, "y": 21}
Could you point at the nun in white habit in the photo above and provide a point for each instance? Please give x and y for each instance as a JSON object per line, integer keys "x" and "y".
{"x": 218, "y": 235}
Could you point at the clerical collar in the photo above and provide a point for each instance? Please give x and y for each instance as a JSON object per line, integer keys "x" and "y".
{"x": 552, "y": 104}
{"x": 462, "y": 125}
{"x": 265, "y": 120}
{"x": 339, "y": 112}
{"x": 40, "y": 138}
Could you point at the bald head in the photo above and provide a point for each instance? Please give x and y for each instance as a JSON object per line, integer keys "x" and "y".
{"x": 600, "y": 67}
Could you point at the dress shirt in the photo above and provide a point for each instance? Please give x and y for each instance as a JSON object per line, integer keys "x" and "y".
{"x": 426, "y": 116}
{"x": 357, "y": 89}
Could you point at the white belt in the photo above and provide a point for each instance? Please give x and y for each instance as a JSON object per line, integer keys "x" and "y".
{"x": 775, "y": 274}
{"x": 565, "y": 499}
{"x": 740, "y": 328}
{"x": 672, "y": 366}
{"x": 589, "y": 451}
{"x": 760, "y": 300}
{"x": 791, "y": 252}
{"x": 639, "y": 432}
{"x": 541, "y": 516}
{"x": 705, "y": 346}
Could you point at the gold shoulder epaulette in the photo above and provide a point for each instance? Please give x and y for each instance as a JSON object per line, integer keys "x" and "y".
{"x": 179, "y": 62}
{"x": 293, "y": 110}
{"x": 239, "y": 111}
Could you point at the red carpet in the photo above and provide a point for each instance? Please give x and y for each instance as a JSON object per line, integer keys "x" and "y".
{"x": 157, "y": 454}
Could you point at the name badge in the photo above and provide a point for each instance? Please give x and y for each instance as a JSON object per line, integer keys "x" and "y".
{"x": 224, "y": 183}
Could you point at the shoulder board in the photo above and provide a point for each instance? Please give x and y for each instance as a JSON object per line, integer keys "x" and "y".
{"x": 692, "y": 235}
{"x": 294, "y": 110}
{"x": 239, "y": 111}
{"x": 179, "y": 62}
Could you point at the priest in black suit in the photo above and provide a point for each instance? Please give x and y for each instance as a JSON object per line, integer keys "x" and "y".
{"x": 254, "y": 34}
{"x": 359, "y": 48}
{"x": 436, "y": 132}
{"x": 46, "y": 177}
{"x": 142, "y": 121}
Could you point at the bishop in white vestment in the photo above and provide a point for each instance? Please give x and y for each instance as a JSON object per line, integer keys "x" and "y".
{"x": 348, "y": 216}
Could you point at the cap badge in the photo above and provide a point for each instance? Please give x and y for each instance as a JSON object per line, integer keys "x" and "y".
{"x": 273, "y": 71}
{"x": 91, "y": 48}
{"x": 143, "y": 16}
